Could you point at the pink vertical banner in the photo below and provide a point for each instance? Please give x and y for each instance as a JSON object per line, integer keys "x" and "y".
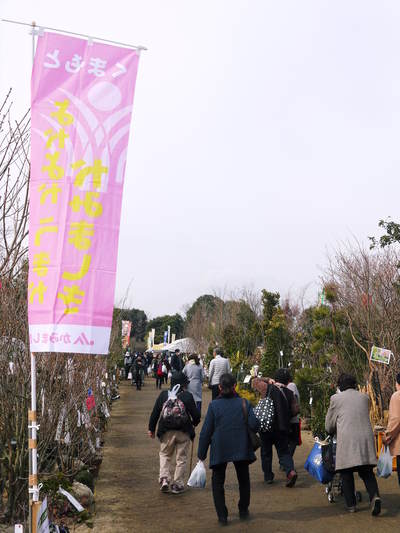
{"x": 82, "y": 96}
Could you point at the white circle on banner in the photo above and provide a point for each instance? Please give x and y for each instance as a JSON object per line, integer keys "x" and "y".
{"x": 104, "y": 96}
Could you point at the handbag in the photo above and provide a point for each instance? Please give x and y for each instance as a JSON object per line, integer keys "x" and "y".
{"x": 254, "y": 438}
{"x": 265, "y": 412}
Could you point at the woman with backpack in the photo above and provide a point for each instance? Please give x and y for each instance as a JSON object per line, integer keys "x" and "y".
{"x": 176, "y": 414}
{"x": 225, "y": 429}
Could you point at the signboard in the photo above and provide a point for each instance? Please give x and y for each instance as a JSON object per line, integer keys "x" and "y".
{"x": 380, "y": 355}
{"x": 43, "y": 525}
{"x": 82, "y": 94}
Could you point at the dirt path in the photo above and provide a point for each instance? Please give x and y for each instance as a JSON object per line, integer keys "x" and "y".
{"x": 128, "y": 497}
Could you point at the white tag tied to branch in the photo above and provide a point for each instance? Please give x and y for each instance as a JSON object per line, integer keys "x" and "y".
{"x": 42, "y": 400}
{"x": 105, "y": 410}
{"x": 86, "y": 417}
{"x": 78, "y": 423}
{"x": 67, "y": 436}
{"x": 60, "y": 424}
{"x": 70, "y": 498}
{"x": 70, "y": 370}
{"x": 92, "y": 448}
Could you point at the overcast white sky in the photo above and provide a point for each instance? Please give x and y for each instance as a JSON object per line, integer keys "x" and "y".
{"x": 263, "y": 133}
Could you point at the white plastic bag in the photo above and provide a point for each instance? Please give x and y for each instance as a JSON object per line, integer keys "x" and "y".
{"x": 129, "y": 375}
{"x": 198, "y": 476}
{"x": 172, "y": 394}
{"x": 164, "y": 369}
{"x": 385, "y": 466}
{"x": 149, "y": 371}
{"x": 169, "y": 375}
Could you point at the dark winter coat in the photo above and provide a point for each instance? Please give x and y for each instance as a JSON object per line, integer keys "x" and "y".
{"x": 191, "y": 409}
{"x": 137, "y": 366}
{"x": 176, "y": 363}
{"x": 282, "y": 398}
{"x": 225, "y": 430}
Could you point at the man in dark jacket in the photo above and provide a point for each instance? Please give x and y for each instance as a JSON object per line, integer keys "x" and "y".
{"x": 174, "y": 437}
{"x": 176, "y": 362}
{"x": 284, "y": 403}
{"x": 137, "y": 372}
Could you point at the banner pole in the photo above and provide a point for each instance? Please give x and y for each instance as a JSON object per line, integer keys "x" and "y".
{"x": 32, "y": 415}
{"x": 139, "y": 48}
{"x": 32, "y": 418}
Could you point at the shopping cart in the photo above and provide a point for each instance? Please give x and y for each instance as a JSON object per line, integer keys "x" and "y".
{"x": 334, "y": 488}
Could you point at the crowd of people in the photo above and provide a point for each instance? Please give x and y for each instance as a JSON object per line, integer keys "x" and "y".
{"x": 226, "y": 426}
{"x": 230, "y": 420}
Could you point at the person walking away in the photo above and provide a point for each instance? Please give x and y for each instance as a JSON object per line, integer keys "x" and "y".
{"x": 176, "y": 362}
{"x": 225, "y": 430}
{"x": 127, "y": 363}
{"x": 294, "y": 428}
{"x": 218, "y": 366}
{"x": 194, "y": 372}
{"x": 392, "y": 434}
{"x": 348, "y": 417}
{"x": 283, "y": 401}
{"x": 165, "y": 367}
{"x": 175, "y": 433}
{"x": 143, "y": 369}
{"x": 158, "y": 373}
{"x": 137, "y": 372}
{"x": 149, "y": 360}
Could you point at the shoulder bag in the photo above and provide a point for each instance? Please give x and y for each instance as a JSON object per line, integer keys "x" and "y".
{"x": 254, "y": 438}
{"x": 265, "y": 412}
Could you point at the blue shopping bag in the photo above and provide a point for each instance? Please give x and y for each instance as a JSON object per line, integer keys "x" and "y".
{"x": 315, "y": 466}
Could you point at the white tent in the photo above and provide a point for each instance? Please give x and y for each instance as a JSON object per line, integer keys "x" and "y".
{"x": 186, "y": 345}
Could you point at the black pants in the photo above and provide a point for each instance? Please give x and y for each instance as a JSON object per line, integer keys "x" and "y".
{"x": 215, "y": 391}
{"x": 159, "y": 380}
{"x": 218, "y": 481}
{"x": 138, "y": 379}
{"x": 366, "y": 473}
{"x": 398, "y": 467}
{"x": 280, "y": 440}
{"x": 127, "y": 367}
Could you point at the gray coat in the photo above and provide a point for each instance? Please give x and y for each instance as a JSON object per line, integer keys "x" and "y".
{"x": 195, "y": 375}
{"x": 348, "y": 417}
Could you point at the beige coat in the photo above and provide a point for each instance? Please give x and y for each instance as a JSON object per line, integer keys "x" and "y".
{"x": 393, "y": 428}
{"x": 348, "y": 417}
